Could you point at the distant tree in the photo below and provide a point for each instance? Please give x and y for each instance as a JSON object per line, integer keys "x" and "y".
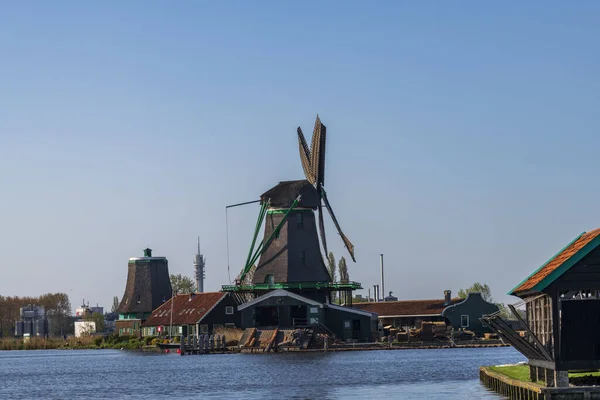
{"x": 331, "y": 267}
{"x": 477, "y": 287}
{"x": 486, "y": 294}
{"x": 115, "y": 304}
{"x": 343, "y": 271}
{"x": 182, "y": 284}
{"x": 344, "y": 278}
{"x": 58, "y": 312}
{"x": 97, "y": 318}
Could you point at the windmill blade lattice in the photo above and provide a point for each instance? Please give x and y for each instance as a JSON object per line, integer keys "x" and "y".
{"x": 313, "y": 164}
{"x": 317, "y": 151}
{"x": 346, "y": 241}
{"x": 305, "y": 158}
{"x": 322, "y": 230}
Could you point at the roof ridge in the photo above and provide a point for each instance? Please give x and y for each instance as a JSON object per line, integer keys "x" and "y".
{"x": 547, "y": 270}
{"x": 404, "y": 301}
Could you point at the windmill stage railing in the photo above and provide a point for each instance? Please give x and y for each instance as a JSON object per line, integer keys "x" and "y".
{"x": 325, "y": 286}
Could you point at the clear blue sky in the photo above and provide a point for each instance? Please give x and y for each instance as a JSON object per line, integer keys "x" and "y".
{"x": 462, "y": 138}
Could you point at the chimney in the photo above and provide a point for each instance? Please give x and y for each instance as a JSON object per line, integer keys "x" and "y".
{"x": 382, "y": 280}
{"x": 374, "y": 292}
{"x": 377, "y": 293}
{"x": 447, "y": 297}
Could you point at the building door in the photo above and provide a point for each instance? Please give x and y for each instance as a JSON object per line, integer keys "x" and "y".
{"x": 298, "y": 315}
{"x": 356, "y": 329}
{"x": 580, "y": 324}
{"x": 266, "y": 316}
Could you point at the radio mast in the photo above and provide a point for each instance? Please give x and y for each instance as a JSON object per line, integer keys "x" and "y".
{"x": 199, "y": 269}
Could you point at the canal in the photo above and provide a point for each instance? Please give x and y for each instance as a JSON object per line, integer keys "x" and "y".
{"x": 113, "y": 374}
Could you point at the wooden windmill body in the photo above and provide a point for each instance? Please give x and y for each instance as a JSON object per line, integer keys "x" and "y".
{"x": 289, "y": 255}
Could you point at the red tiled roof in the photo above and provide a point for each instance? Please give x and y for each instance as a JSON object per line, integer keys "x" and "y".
{"x": 406, "y": 307}
{"x": 187, "y": 309}
{"x": 556, "y": 261}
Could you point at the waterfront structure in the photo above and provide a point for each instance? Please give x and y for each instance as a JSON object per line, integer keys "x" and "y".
{"x": 148, "y": 286}
{"x": 468, "y": 314}
{"x": 193, "y": 314}
{"x": 84, "y": 328}
{"x": 199, "y": 269}
{"x": 562, "y": 302}
{"x": 32, "y": 322}
{"x": 284, "y": 278}
{"x": 459, "y": 313}
{"x": 288, "y": 310}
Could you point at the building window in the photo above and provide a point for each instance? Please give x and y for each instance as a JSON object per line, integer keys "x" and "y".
{"x": 203, "y": 329}
{"x": 299, "y": 220}
{"x": 138, "y": 299}
{"x": 314, "y": 310}
{"x": 464, "y": 321}
{"x": 303, "y": 257}
{"x": 230, "y": 326}
{"x": 121, "y": 331}
{"x": 229, "y": 310}
{"x": 217, "y": 328}
{"x": 270, "y": 279}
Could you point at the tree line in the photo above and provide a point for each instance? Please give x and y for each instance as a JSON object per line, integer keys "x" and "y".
{"x": 56, "y": 305}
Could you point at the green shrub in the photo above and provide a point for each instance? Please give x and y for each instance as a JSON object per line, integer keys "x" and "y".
{"x": 148, "y": 340}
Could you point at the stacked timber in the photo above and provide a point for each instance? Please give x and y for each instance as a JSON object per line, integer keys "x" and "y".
{"x": 440, "y": 330}
{"x": 271, "y": 341}
{"x": 402, "y": 336}
{"x": 250, "y": 339}
{"x": 427, "y": 331}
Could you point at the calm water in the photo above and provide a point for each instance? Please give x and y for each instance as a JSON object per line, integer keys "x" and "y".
{"x": 113, "y": 374}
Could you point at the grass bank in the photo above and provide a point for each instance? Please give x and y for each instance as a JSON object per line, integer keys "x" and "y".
{"x": 521, "y": 373}
{"x": 90, "y": 342}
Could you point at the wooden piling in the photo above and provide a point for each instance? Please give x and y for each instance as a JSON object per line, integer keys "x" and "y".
{"x": 511, "y": 388}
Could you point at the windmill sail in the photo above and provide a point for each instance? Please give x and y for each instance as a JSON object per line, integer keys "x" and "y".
{"x": 305, "y": 158}
{"x": 313, "y": 163}
{"x": 317, "y": 151}
{"x": 346, "y": 241}
{"x": 322, "y": 230}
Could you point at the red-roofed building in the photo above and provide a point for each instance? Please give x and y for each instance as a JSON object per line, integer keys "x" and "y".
{"x": 562, "y": 300}
{"x": 192, "y": 314}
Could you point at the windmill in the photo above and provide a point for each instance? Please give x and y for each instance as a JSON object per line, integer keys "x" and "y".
{"x": 289, "y": 255}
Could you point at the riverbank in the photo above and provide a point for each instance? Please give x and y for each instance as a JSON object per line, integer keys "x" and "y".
{"x": 514, "y": 381}
{"x": 149, "y": 344}
{"x": 73, "y": 343}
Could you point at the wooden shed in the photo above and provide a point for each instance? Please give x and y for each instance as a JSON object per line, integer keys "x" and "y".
{"x": 562, "y": 301}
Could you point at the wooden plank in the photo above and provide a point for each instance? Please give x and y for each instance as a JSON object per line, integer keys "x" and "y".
{"x": 519, "y": 343}
{"x": 542, "y": 349}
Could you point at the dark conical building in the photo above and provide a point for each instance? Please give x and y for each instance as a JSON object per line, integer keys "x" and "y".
{"x": 148, "y": 286}
{"x": 294, "y": 253}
